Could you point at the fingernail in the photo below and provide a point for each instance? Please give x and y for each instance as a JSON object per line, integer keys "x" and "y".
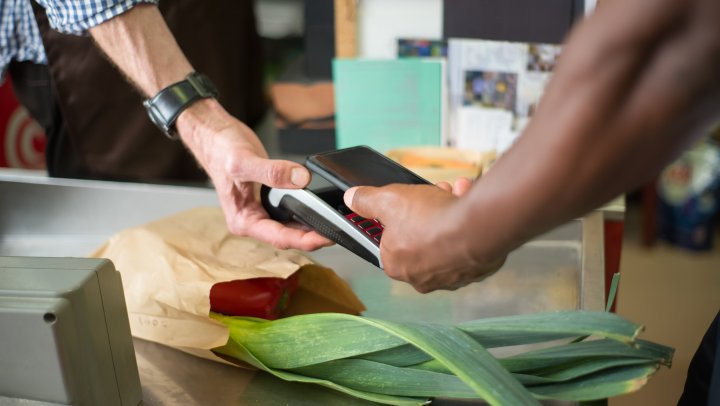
{"x": 299, "y": 177}
{"x": 348, "y": 197}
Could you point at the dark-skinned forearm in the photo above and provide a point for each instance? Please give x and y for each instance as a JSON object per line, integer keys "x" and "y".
{"x": 636, "y": 84}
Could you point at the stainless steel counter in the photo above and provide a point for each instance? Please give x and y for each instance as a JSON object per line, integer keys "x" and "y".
{"x": 53, "y": 217}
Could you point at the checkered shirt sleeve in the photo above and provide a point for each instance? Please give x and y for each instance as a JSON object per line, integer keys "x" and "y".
{"x": 77, "y": 16}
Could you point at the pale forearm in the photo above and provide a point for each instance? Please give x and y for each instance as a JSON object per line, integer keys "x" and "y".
{"x": 143, "y": 48}
{"x": 634, "y": 86}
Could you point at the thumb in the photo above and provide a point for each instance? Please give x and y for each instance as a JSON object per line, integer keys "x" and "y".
{"x": 360, "y": 199}
{"x": 274, "y": 173}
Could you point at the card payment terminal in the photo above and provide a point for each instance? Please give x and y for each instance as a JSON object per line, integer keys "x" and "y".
{"x": 322, "y": 207}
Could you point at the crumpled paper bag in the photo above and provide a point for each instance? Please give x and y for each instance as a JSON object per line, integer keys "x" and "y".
{"x": 168, "y": 267}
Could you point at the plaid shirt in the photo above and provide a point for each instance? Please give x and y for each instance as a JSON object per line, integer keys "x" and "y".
{"x": 19, "y": 35}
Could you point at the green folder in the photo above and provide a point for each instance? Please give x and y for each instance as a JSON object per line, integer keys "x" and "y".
{"x": 388, "y": 104}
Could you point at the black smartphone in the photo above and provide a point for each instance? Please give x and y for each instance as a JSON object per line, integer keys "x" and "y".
{"x": 360, "y": 166}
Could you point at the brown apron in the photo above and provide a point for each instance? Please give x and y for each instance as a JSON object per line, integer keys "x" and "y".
{"x": 108, "y": 134}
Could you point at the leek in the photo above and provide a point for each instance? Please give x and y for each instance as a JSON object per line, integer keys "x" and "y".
{"x": 410, "y": 363}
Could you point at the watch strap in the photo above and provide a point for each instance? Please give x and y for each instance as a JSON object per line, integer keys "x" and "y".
{"x": 167, "y": 105}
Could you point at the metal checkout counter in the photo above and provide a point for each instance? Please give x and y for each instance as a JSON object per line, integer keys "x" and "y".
{"x": 563, "y": 269}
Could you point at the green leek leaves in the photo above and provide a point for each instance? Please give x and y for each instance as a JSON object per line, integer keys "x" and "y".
{"x": 410, "y": 363}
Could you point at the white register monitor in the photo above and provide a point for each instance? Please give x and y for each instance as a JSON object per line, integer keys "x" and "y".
{"x": 64, "y": 334}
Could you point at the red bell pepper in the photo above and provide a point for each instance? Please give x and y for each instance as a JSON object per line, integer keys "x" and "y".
{"x": 265, "y": 298}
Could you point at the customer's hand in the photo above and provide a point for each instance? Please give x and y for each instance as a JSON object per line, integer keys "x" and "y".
{"x": 237, "y": 163}
{"x": 458, "y": 188}
{"x": 423, "y": 242}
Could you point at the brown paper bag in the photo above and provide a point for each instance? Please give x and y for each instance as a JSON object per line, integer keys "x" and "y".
{"x": 168, "y": 267}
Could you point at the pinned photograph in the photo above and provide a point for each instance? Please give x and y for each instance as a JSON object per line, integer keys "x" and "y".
{"x": 491, "y": 89}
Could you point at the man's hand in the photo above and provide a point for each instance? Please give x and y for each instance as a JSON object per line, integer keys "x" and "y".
{"x": 141, "y": 45}
{"x": 421, "y": 244}
{"x": 237, "y": 163}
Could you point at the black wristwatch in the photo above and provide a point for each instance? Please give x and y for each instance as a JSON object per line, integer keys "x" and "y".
{"x": 167, "y": 105}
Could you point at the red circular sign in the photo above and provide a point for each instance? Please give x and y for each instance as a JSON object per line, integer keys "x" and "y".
{"x": 22, "y": 140}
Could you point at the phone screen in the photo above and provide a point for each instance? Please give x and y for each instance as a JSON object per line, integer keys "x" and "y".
{"x": 360, "y": 166}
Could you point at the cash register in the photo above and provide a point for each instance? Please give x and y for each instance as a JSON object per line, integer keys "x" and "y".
{"x": 64, "y": 334}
